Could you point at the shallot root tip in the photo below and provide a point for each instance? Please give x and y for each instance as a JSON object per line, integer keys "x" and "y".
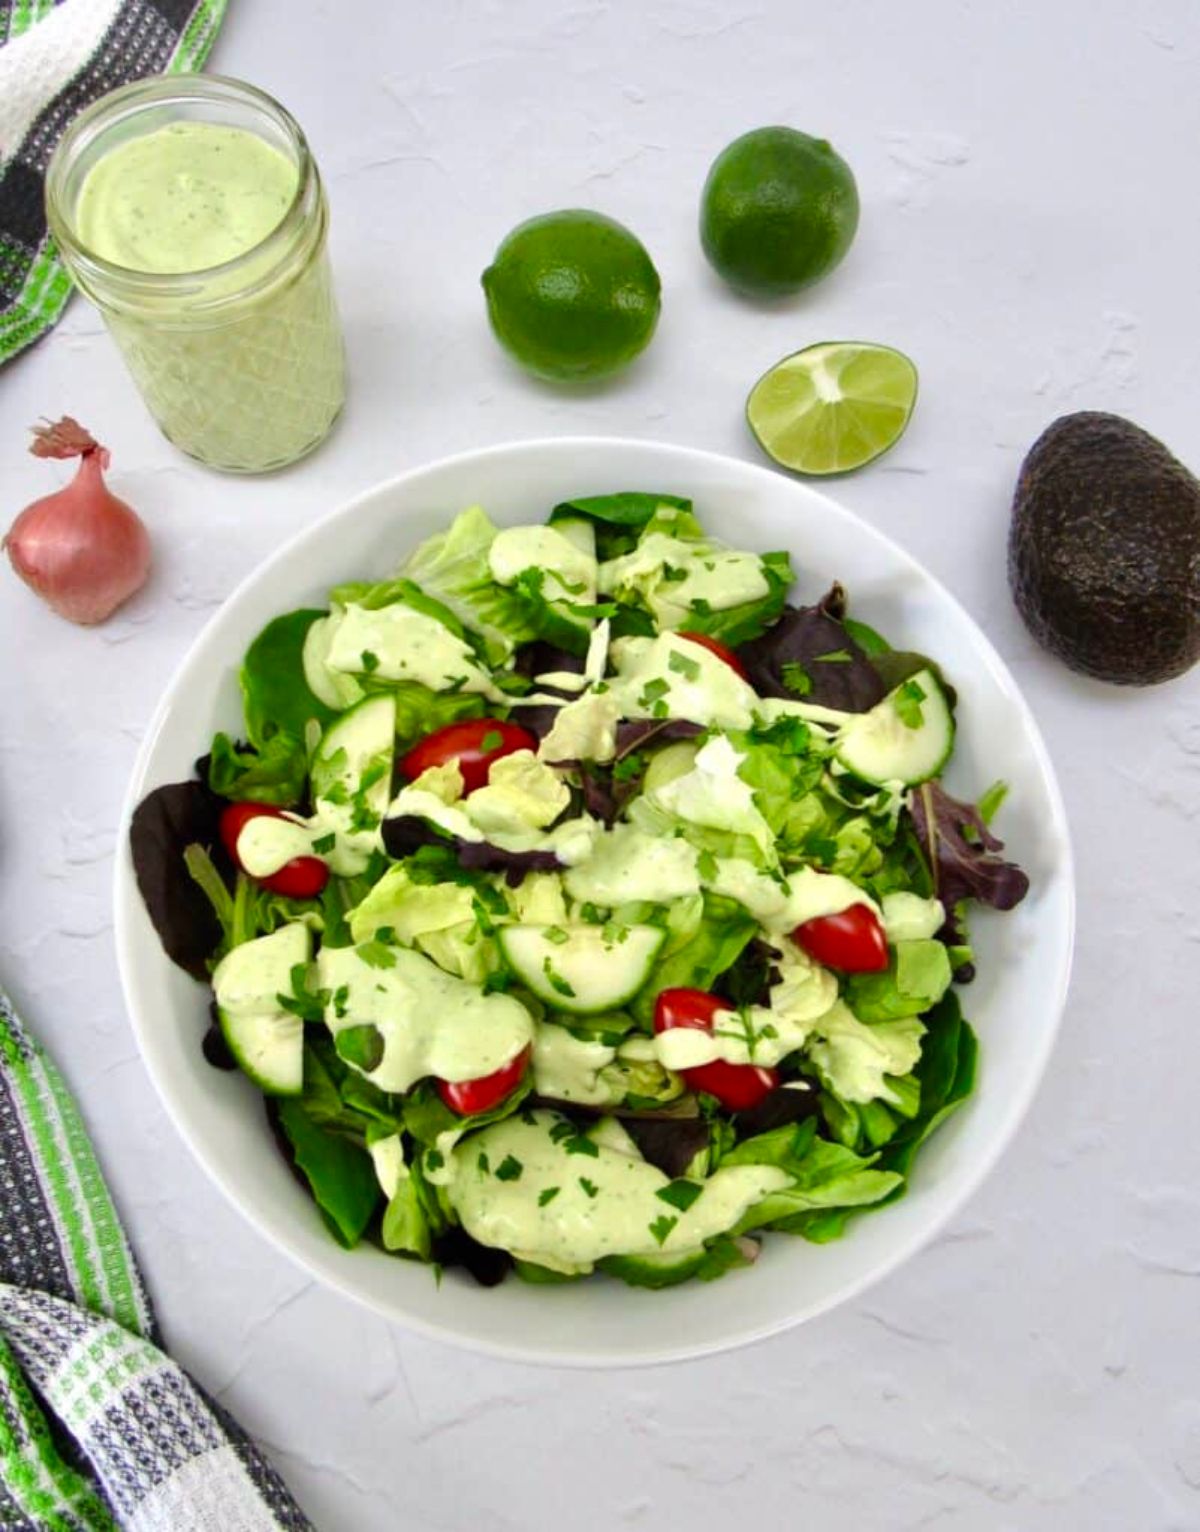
{"x": 62, "y": 439}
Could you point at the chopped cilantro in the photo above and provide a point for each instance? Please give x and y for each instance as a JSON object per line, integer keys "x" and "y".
{"x": 492, "y": 740}
{"x": 386, "y": 934}
{"x": 556, "y": 934}
{"x": 660, "y": 710}
{"x": 587, "y": 613}
{"x": 661, "y": 1227}
{"x": 790, "y": 734}
{"x": 556, "y": 980}
{"x": 630, "y": 768}
{"x": 653, "y": 691}
{"x": 673, "y": 575}
{"x": 509, "y": 1169}
{"x": 581, "y": 1144}
{"x": 434, "y": 1159}
{"x": 589, "y": 1187}
{"x": 561, "y": 1130}
{"x": 683, "y": 665}
{"x": 591, "y": 914}
{"x": 363, "y": 818}
{"x": 370, "y": 662}
{"x": 680, "y": 1194}
{"x": 701, "y": 607}
{"x": 341, "y": 1000}
{"x": 376, "y": 955}
{"x": 308, "y": 1004}
{"x": 375, "y": 772}
{"x": 324, "y": 843}
{"x": 706, "y": 866}
{"x": 796, "y": 678}
{"x": 908, "y": 700}
{"x": 336, "y": 793}
{"x": 483, "y": 1163}
{"x": 834, "y": 657}
{"x": 548, "y": 1195}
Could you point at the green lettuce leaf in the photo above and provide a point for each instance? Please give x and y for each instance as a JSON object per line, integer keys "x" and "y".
{"x": 406, "y": 1225}
{"x": 446, "y": 921}
{"x": 917, "y": 976}
{"x": 277, "y": 773}
{"x": 427, "y": 1117}
{"x": 720, "y": 936}
{"x": 453, "y": 567}
{"x": 825, "y": 1176}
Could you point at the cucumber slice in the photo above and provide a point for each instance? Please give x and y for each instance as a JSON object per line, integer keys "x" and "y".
{"x": 653, "y": 1270}
{"x": 352, "y": 779}
{"x": 670, "y": 762}
{"x": 266, "y": 1041}
{"x": 268, "y": 1047}
{"x": 334, "y": 688}
{"x": 905, "y": 738}
{"x": 582, "y": 969}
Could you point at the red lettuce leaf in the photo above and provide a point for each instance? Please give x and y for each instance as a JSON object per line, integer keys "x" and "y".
{"x": 810, "y": 649}
{"x": 963, "y": 853}
{"x": 165, "y": 823}
{"x": 408, "y": 832}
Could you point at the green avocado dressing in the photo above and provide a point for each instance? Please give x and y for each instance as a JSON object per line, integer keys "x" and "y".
{"x": 534, "y": 1185}
{"x": 186, "y": 197}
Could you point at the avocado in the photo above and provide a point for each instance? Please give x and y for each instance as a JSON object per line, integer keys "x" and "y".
{"x": 1104, "y": 550}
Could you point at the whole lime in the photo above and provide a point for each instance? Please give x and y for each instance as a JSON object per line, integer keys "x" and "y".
{"x": 572, "y": 295}
{"x": 778, "y": 211}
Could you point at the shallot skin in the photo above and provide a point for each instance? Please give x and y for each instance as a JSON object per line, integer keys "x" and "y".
{"x": 83, "y": 550}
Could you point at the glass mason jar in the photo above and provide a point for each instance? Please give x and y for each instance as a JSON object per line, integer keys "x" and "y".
{"x": 240, "y": 363}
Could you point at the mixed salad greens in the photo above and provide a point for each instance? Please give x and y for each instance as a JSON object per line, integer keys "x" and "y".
{"x": 576, "y": 903}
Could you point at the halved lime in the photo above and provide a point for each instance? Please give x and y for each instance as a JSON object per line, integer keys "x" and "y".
{"x": 833, "y": 407}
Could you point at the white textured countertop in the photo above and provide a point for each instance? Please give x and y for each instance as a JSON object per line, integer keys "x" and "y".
{"x": 1030, "y": 235}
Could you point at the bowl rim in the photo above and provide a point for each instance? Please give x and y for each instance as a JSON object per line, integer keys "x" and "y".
{"x": 328, "y": 1269}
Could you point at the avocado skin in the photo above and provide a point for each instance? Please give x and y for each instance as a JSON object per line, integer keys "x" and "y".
{"x": 1104, "y": 550}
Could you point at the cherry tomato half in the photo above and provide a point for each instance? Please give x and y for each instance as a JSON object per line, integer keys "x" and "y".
{"x": 302, "y": 878}
{"x": 474, "y": 743}
{"x": 469, "y": 1097}
{"x": 738, "y": 1087}
{"x": 715, "y": 646}
{"x": 852, "y": 941}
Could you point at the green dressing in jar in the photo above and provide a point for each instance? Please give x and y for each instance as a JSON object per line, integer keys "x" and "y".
{"x": 191, "y": 212}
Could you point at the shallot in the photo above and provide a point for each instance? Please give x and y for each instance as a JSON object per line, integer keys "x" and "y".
{"x": 81, "y": 549}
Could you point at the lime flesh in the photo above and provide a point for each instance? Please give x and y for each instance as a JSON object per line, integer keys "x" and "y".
{"x": 832, "y": 407}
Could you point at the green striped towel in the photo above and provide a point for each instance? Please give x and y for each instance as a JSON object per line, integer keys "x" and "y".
{"x": 99, "y": 1429}
{"x": 56, "y": 57}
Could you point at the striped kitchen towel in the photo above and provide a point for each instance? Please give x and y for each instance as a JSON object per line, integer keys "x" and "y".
{"x": 99, "y": 1429}
{"x": 56, "y": 57}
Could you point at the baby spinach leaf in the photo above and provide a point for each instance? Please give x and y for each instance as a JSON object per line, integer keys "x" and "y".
{"x": 275, "y": 695}
{"x": 341, "y": 1176}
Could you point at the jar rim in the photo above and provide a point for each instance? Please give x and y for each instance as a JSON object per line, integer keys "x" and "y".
{"x": 97, "y": 117}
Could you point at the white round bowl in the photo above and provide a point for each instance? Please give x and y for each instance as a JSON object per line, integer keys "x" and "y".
{"x": 1014, "y": 1004}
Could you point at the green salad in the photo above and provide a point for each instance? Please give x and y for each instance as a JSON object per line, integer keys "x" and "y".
{"x": 579, "y": 904}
